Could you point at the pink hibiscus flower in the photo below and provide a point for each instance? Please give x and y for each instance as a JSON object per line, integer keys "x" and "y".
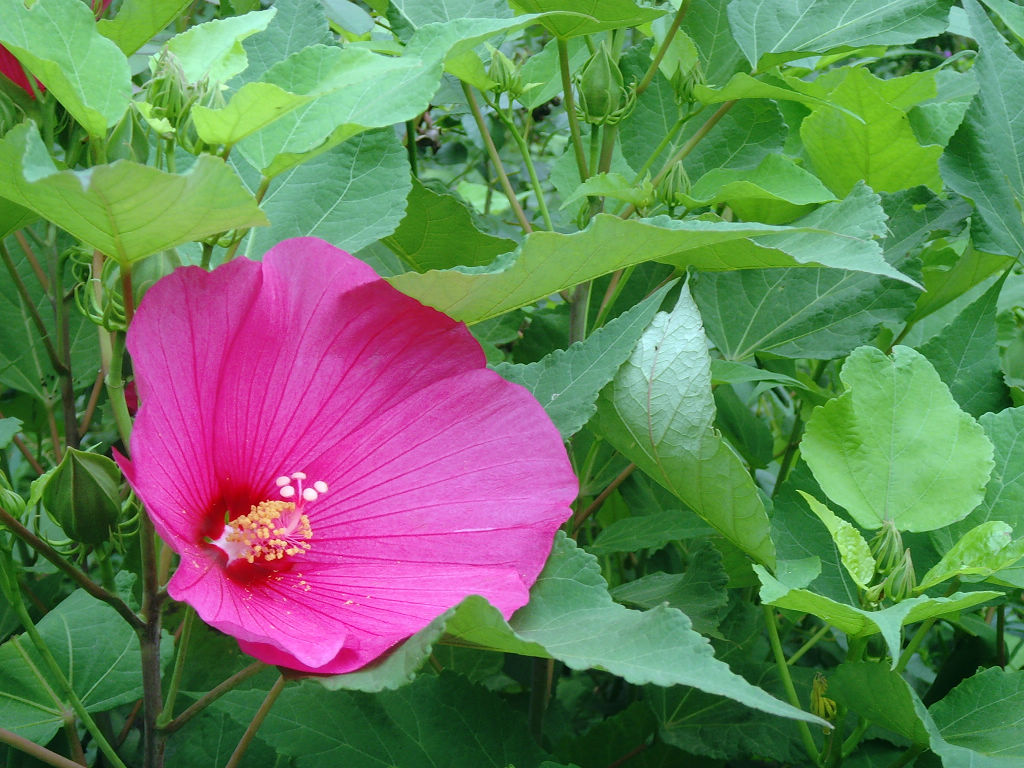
{"x": 332, "y": 460}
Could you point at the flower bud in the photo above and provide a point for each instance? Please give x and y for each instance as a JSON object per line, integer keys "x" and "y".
{"x": 900, "y": 584}
{"x": 685, "y": 83}
{"x": 81, "y": 495}
{"x": 821, "y": 705}
{"x": 674, "y": 186}
{"x": 11, "y": 502}
{"x": 887, "y": 547}
{"x": 602, "y": 97}
{"x": 505, "y": 74}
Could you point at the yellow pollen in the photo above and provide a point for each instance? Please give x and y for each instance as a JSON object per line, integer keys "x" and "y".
{"x": 271, "y": 531}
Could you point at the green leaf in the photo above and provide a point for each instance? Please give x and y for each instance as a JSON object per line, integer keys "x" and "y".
{"x": 94, "y": 647}
{"x": 13, "y": 217}
{"x": 297, "y": 25}
{"x": 860, "y": 623}
{"x": 837, "y": 234}
{"x": 24, "y": 364}
{"x": 966, "y": 357}
{"x": 950, "y": 272}
{"x": 653, "y": 530}
{"x": 585, "y": 17}
{"x": 982, "y": 715}
{"x": 567, "y": 382}
{"x": 57, "y": 42}
{"x": 980, "y": 552}
{"x": 124, "y": 209}
{"x": 660, "y": 412}
{"x": 776, "y": 192}
{"x": 879, "y": 694}
{"x": 137, "y": 21}
{"x": 615, "y": 186}
{"x": 418, "y": 13}
{"x": 445, "y": 717}
{"x": 732, "y": 372}
{"x": 853, "y": 549}
{"x": 252, "y": 107}
{"x": 213, "y": 50}
{"x": 9, "y": 428}
{"x": 803, "y": 313}
{"x": 771, "y": 32}
{"x": 329, "y": 196}
{"x": 707, "y": 24}
{"x": 699, "y": 591}
{"x": 982, "y": 162}
{"x": 438, "y": 233}
{"x": 895, "y": 446}
{"x": 1011, "y": 14}
{"x": 875, "y": 144}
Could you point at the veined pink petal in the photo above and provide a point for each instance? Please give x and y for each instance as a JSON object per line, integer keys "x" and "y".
{"x": 424, "y": 476}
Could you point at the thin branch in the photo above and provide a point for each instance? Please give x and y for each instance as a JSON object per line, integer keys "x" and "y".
{"x": 257, "y": 721}
{"x": 78, "y": 576}
{"x": 42, "y": 754}
{"x": 570, "y": 110}
{"x": 214, "y": 694}
{"x": 499, "y": 167}
{"x": 596, "y": 504}
{"x": 787, "y": 683}
{"x": 90, "y": 407}
{"x": 32, "y": 260}
{"x": 663, "y": 49}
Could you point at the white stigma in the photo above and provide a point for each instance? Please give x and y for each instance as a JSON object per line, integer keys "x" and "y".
{"x": 293, "y": 487}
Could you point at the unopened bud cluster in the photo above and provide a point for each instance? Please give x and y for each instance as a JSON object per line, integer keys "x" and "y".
{"x": 602, "y": 97}
{"x": 894, "y": 563}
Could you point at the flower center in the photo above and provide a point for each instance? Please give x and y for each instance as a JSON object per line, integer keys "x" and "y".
{"x": 272, "y": 530}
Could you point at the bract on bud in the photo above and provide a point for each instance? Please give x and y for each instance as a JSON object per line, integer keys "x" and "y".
{"x": 505, "y": 74}
{"x": 887, "y": 547}
{"x": 674, "y": 186}
{"x": 900, "y": 584}
{"x": 602, "y": 97}
{"x": 685, "y": 83}
{"x": 82, "y": 496}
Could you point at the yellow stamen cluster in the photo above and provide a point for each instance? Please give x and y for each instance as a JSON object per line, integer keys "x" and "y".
{"x": 271, "y": 530}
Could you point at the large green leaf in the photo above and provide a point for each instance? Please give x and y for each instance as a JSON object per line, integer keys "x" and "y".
{"x": 803, "y": 313}
{"x": 13, "y": 216}
{"x": 213, "y": 51}
{"x": 438, "y": 232}
{"x": 707, "y": 24}
{"x": 567, "y": 382}
{"x": 124, "y": 209}
{"x": 137, "y": 21}
{"x": 983, "y": 160}
{"x": 838, "y": 235}
{"x": 585, "y": 17}
{"x": 869, "y": 140}
{"x": 418, "y": 13}
{"x": 861, "y": 623}
{"x": 774, "y": 31}
{"x": 983, "y": 550}
{"x": 435, "y": 721}
{"x": 877, "y": 693}
{"x": 895, "y": 446}
{"x": 297, "y": 25}
{"x": 94, "y": 647}
{"x": 329, "y": 196}
{"x": 654, "y": 530}
{"x": 966, "y": 357}
{"x": 983, "y": 714}
{"x": 659, "y": 413}
{"x": 57, "y": 42}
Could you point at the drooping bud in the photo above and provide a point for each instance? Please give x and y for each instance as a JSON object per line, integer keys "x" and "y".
{"x": 887, "y": 547}
{"x": 81, "y": 495}
{"x": 602, "y": 96}
{"x": 505, "y": 74}
{"x": 821, "y": 705}
{"x": 900, "y": 584}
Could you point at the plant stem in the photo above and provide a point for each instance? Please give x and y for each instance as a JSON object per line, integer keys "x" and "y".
{"x": 67, "y": 384}
{"x": 257, "y": 721}
{"x": 540, "y": 692}
{"x": 663, "y": 49}
{"x": 492, "y": 151}
{"x": 787, "y": 682}
{"x": 149, "y": 643}
{"x": 34, "y": 750}
{"x": 596, "y": 503}
{"x": 570, "y": 110}
{"x": 90, "y": 407}
{"x": 213, "y": 695}
{"x": 126, "y": 289}
{"x": 179, "y": 666}
{"x": 524, "y": 150}
{"x": 32, "y": 260}
{"x": 410, "y": 146}
{"x": 78, "y": 576}
{"x": 13, "y": 595}
{"x": 915, "y": 641}
{"x": 811, "y": 642}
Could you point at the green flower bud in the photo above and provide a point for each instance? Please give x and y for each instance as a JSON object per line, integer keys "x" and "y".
{"x": 12, "y": 503}
{"x": 81, "y": 495}
{"x": 505, "y": 74}
{"x": 674, "y": 186}
{"x": 685, "y": 83}
{"x": 602, "y": 96}
{"x": 887, "y": 547}
{"x": 128, "y": 140}
{"x": 900, "y": 584}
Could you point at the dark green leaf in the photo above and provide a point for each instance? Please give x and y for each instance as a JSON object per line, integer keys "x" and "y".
{"x": 645, "y": 531}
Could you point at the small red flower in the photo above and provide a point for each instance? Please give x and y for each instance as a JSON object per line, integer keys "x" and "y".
{"x": 332, "y": 460}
